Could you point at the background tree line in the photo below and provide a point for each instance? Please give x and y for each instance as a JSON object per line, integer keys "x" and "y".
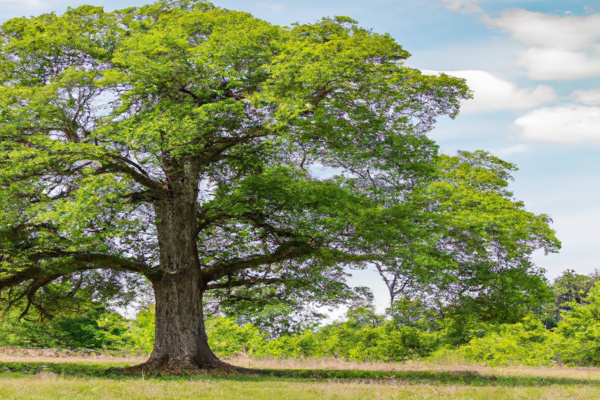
{"x": 564, "y": 329}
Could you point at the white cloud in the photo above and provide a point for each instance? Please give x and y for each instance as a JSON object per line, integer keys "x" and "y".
{"x": 549, "y": 31}
{"x": 558, "y": 64}
{"x": 573, "y": 124}
{"x": 557, "y": 47}
{"x": 492, "y": 93}
{"x": 590, "y": 97}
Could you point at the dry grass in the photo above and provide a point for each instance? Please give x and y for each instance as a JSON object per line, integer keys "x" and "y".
{"x": 563, "y": 383}
{"x": 415, "y": 366}
{"x": 457, "y": 366}
{"x": 9, "y": 354}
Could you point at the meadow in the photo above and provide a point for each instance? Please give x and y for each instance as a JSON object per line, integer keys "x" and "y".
{"x": 50, "y": 375}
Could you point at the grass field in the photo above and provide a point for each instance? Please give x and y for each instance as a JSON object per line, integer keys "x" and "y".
{"x": 36, "y": 376}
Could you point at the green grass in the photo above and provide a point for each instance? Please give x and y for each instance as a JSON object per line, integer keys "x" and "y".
{"x": 215, "y": 388}
{"x": 102, "y": 380}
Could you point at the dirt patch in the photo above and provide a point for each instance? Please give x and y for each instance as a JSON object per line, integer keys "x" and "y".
{"x": 46, "y": 375}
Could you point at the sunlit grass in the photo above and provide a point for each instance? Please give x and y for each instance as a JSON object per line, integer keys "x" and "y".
{"x": 56, "y": 387}
{"x": 43, "y": 377}
{"x": 456, "y": 366}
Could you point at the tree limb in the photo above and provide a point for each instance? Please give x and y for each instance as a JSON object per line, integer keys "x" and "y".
{"x": 246, "y": 282}
{"x": 86, "y": 261}
{"x": 286, "y": 251}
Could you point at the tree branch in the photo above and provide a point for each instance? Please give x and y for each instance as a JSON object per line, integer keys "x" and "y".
{"x": 247, "y": 282}
{"x": 32, "y": 290}
{"x": 120, "y": 165}
{"x": 97, "y": 260}
{"x": 22, "y": 276}
{"x": 286, "y": 251}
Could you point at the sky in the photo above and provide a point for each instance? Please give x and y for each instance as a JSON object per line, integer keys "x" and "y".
{"x": 534, "y": 68}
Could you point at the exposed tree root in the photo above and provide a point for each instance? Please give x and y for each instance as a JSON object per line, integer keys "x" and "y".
{"x": 170, "y": 366}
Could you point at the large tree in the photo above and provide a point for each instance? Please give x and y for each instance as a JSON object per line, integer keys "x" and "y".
{"x": 182, "y": 143}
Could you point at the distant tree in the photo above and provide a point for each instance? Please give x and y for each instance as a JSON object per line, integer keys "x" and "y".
{"x": 572, "y": 287}
{"x": 176, "y": 143}
{"x": 418, "y": 312}
{"x": 569, "y": 288}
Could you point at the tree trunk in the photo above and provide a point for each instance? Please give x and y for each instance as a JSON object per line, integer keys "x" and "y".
{"x": 181, "y": 341}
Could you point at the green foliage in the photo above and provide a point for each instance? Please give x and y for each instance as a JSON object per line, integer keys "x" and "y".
{"x": 142, "y": 331}
{"x": 179, "y": 139}
{"x": 571, "y": 287}
{"x": 227, "y": 338}
{"x": 522, "y": 343}
{"x": 578, "y": 331}
{"x": 489, "y": 238}
{"x": 415, "y": 313}
{"x": 364, "y": 336}
{"x": 467, "y": 253}
{"x": 94, "y": 328}
{"x": 274, "y": 315}
{"x": 347, "y": 340}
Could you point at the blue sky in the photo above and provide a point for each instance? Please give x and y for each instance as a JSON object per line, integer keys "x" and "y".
{"x": 534, "y": 66}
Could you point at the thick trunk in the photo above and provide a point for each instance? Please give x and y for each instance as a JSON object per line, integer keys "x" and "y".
{"x": 181, "y": 342}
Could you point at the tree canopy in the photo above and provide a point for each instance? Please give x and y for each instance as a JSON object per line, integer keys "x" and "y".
{"x": 181, "y": 143}
{"x": 470, "y": 251}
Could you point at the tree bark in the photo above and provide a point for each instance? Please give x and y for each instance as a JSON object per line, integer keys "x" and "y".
{"x": 181, "y": 342}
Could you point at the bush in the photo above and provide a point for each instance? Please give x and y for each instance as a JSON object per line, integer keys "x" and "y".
{"x": 97, "y": 328}
{"x": 577, "y": 340}
{"x": 524, "y": 343}
{"x": 226, "y": 338}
